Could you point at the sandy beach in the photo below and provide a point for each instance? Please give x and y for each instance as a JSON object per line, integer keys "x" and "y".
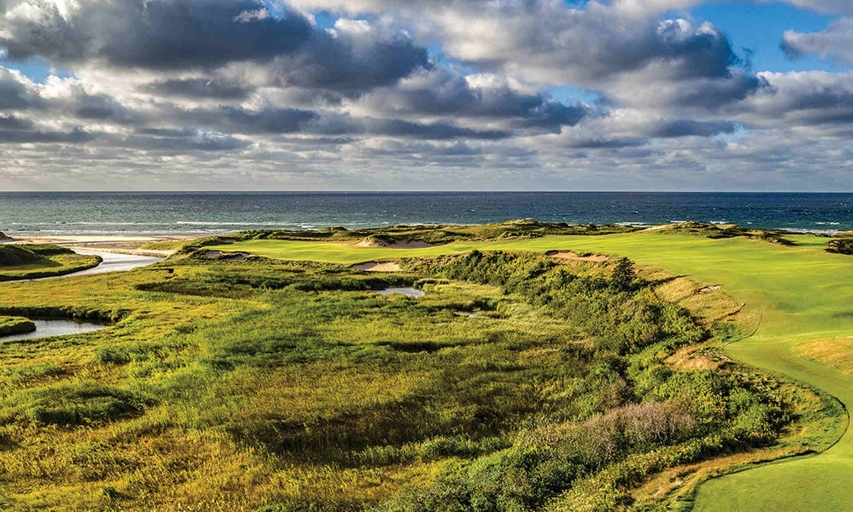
{"x": 119, "y": 244}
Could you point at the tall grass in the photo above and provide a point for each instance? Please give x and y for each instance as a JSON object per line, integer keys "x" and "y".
{"x": 292, "y": 386}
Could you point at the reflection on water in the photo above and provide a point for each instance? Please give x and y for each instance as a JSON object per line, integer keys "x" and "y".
{"x": 111, "y": 263}
{"x": 409, "y": 292}
{"x": 47, "y": 328}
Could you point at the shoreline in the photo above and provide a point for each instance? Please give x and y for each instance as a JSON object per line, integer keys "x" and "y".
{"x": 118, "y": 244}
{"x": 133, "y": 244}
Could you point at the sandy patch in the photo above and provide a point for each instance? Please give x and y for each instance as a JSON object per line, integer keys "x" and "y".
{"x": 371, "y": 242}
{"x": 230, "y": 256}
{"x": 689, "y": 359}
{"x": 374, "y": 242}
{"x": 381, "y": 266}
{"x": 113, "y": 244}
{"x": 567, "y": 255}
{"x": 711, "y": 288}
{"x": 412, "y": 244}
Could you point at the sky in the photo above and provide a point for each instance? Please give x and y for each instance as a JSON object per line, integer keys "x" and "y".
{"x": 653, "y": 95}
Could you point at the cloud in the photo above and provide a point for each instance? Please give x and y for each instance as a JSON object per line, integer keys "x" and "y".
{"x": 689, "y": 127}
{"x": 184, "y": 140}
{"x": 17, "y": 91}
{"x": 834, "y": 43}
{"x": 199, "y": 87}
{"x": 546, "y": 42}
{"x": 159, "y": 34}
{"x": 351, "y": 58}
{"x": 811, "y": 98}
{"x": 76, "y": 136}
{"x": 398, "y": 128}
{"x": 440, "y": 92}
{"x": 433, "y": 94}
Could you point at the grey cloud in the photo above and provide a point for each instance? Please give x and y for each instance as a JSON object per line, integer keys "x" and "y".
{"x": 185, "y": 140}
{"x": 162, "y": 34}
{"x": 606, "y": 143}
{"x": 803, "y": 99}
{"x": 200, "y": 88}
{"x": 291, "y": 121}
{"x": 834, "y": 43}
{"x": 76, "y": 136}
{"x": 272, "y": 120}
{"x": 689, "y": 127}
{"x": 342, "y": 63}
{"x": 15, "y": 123}
{"x": 549, "y": 42}
{"x": 16, "y": 93}
{"x": 440, "y": 92}
{"x": 711, "y": 94}
{"x": 397, "y": 128}
{"x": 173, "y": 35}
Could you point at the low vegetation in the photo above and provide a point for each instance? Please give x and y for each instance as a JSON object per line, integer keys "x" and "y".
{"x": 519, "y": 382}
{"x": 38, "y": 261}
{"x": 439, "y": 234}
{"x": 721, "y": 231}
{"x": 841, "y": 246}
{"x": 10, "y": 325}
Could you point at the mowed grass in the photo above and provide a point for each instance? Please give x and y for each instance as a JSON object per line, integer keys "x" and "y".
{"x": 801, "y": 294}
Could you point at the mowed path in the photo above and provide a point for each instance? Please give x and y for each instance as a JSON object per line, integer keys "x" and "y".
{"x": 803, "y": 295}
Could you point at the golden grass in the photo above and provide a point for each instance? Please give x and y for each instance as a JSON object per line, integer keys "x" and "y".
{"x": 835, "y": 352}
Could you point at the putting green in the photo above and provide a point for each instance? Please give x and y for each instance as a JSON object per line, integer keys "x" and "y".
{"x": 803, "y": 294}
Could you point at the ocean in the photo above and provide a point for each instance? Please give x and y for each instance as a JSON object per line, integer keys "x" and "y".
{"x": 179, "y": 213}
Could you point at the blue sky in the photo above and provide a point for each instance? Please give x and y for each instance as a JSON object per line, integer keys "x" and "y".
{"x": 759, "y": 28}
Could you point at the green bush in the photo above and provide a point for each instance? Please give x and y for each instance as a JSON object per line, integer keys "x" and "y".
{"x": 77, "y": 403}
{"x": 15, "y": 325}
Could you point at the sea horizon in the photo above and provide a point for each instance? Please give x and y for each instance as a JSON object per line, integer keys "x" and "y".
{"x": 179, "y": 213}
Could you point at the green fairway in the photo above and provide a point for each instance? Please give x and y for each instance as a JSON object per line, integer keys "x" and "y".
{"x": 802, "y": 293}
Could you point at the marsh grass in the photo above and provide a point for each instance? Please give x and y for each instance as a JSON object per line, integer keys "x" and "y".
{"x": 287, "y": 385}
{"x": 10, "y": 325}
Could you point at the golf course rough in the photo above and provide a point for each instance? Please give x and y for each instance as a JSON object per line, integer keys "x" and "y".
{"x": 801, "y": 293}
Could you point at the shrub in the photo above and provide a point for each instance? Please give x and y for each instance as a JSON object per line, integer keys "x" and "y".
{"x": 78, "y": 403}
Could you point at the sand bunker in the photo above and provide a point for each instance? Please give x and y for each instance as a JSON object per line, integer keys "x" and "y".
{"x": 576, "y": 257}
{"x": 689, "y": 358}
{"x": 381, "y": 266}
{"x": 375, "y": 242}
{"x": 712, "y": 288}
{"x": 230, "y": 256}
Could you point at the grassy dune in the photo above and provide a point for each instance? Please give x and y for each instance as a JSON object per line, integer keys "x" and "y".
{"x": 800, "y": 294}
{"x": 37, "y": 261}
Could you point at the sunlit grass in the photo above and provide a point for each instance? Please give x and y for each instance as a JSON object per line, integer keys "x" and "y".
{"x": 237, "y": 385}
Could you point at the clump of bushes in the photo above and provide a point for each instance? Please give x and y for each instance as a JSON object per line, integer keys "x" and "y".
{"x": 840, "y": 246}
{"x": 12, "y": 255}
{"x": 627, "y": 414}
{"x": 77, "y": 403}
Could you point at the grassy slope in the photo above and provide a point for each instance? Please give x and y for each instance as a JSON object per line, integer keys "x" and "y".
{"x": 37, "y": 261}
{"x": 802, "y": 294}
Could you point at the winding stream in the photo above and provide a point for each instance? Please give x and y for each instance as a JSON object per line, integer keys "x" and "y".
{"x": 111, "y": 263}
{"x": 48, "y": 328}
{"x": 409, "y": 292}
